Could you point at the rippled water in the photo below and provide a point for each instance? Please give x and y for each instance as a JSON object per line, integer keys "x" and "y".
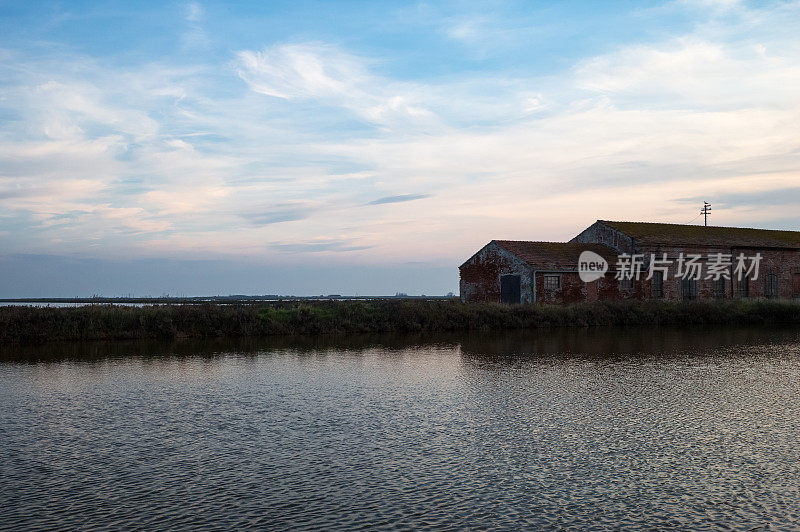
{"x": 585, "y": 429}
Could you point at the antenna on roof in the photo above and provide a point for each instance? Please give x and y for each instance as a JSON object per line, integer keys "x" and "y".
{"x": 705, "y": 211}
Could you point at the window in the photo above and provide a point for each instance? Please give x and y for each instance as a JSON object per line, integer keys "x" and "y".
{"x": 771, "y": 289}
{"x": 719, "y": 288}
{"x": 744, "y": 287}
{"x": 552, "y": 282}
{"x": 689, "y": 288}
{"x": 626, "y": 284}
{"x": 658, "y": 284}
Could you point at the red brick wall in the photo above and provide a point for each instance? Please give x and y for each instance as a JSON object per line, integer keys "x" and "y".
{"x": 573, "y": 290}
{"x": 600, "y": 233}
{"x": 480, "y": 277}
{"x": 782, "y": 263}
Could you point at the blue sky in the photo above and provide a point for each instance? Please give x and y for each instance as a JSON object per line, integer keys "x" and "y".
{"x": 370, "y": 147}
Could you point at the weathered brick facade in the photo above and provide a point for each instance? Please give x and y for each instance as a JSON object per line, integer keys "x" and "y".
{"x": 546, "y": 272}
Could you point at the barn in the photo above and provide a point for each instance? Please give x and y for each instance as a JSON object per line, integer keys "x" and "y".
{"x": 645, "y": 261}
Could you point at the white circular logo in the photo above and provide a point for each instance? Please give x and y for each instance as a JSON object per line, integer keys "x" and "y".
{"x": 591, "y": 266}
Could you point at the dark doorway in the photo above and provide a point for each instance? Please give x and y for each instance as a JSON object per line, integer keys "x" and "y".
{"x": 797, "y": 285}
{"x": 509, "y": 288}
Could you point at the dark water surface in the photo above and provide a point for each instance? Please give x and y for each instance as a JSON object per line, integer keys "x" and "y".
{"x": 584, "y": 429}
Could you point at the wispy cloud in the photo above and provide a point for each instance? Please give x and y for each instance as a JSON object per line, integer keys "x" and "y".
{"x": 753, "y": 200}
{"x": 194, "y": 12}
{"x": 194, "y": 36}
{"x": 327, "y": 74}
{"x": 399, "y": 198}
{"x": 303, "y": 71}
{"x": 273, "y": 214}
{"x": 318, "y": 246}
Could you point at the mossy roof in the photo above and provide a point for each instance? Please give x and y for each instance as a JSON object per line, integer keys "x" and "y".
{"x": 559, "y": 254}
{"x": 676, "y": 234}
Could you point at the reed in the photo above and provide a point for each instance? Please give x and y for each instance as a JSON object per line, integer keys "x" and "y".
{"x": 94, "y": 322}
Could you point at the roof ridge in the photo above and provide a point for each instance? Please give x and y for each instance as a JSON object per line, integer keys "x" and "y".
{"x": 714, "y": 235}
{"x": 701, "y": 226}
{"x": 550, "y": 242}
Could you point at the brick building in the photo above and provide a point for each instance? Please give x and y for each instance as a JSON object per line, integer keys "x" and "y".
{"x": 547, "y": 272}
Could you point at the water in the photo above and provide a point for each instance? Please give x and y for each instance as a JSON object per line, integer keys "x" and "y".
{"x": 574, "y": 429}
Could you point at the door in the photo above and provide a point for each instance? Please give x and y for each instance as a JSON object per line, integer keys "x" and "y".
{"x": 509, "y": 288}
{"x": 796, "y": 285}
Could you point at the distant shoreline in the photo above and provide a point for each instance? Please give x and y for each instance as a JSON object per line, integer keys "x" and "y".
{"x": 198, "y": 300}
{"x": 36, "y": 324}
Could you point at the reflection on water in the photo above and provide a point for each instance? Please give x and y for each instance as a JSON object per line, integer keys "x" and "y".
{"x": 596, "y": 428}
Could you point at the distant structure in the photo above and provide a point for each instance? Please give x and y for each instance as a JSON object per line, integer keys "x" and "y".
{"x": 548, "y": 272}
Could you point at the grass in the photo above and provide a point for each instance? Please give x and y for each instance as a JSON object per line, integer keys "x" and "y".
{"x": 111, "y": 322}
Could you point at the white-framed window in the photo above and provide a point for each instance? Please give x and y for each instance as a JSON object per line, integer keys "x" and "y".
{"x": 552, "y": 282}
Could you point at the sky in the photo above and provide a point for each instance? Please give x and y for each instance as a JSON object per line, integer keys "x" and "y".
{"x": 201, "y": 148}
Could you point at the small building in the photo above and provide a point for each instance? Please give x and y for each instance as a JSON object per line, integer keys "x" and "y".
{"x": 548, "y": 272}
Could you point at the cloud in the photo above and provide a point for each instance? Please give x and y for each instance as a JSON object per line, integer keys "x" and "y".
{"x": 691, "y": 74}
{"x": 324, "y": 73}
{"x": 272, "y": 214}
{"x": 318, "y": 246}
{"x": 194, "y": 12}
{"x": 398, "y": 198}
{"x": 754, "y": 200}
{"x": 277, "y": 153}
{"x": 301, "y": 71}
{"x": 484, "y": 35}
{"x": 194, "y": 36}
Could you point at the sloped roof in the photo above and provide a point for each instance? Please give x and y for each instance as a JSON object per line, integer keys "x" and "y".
{"x": 676, "y": 234}
{"x": 562, "y": 254}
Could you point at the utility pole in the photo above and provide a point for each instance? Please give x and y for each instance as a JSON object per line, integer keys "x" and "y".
{"x": 705, "y": 211}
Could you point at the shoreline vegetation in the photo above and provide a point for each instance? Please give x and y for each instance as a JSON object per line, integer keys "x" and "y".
{"x": 32, "y": 324}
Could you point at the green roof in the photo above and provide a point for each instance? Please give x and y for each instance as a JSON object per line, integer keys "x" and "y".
{"x": 676, "y": 234}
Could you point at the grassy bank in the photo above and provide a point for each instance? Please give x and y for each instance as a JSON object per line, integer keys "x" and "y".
{"x": 38, "y": 324}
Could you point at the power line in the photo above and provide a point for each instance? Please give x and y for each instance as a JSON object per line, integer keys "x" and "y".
{"x": 695, "y": 218}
